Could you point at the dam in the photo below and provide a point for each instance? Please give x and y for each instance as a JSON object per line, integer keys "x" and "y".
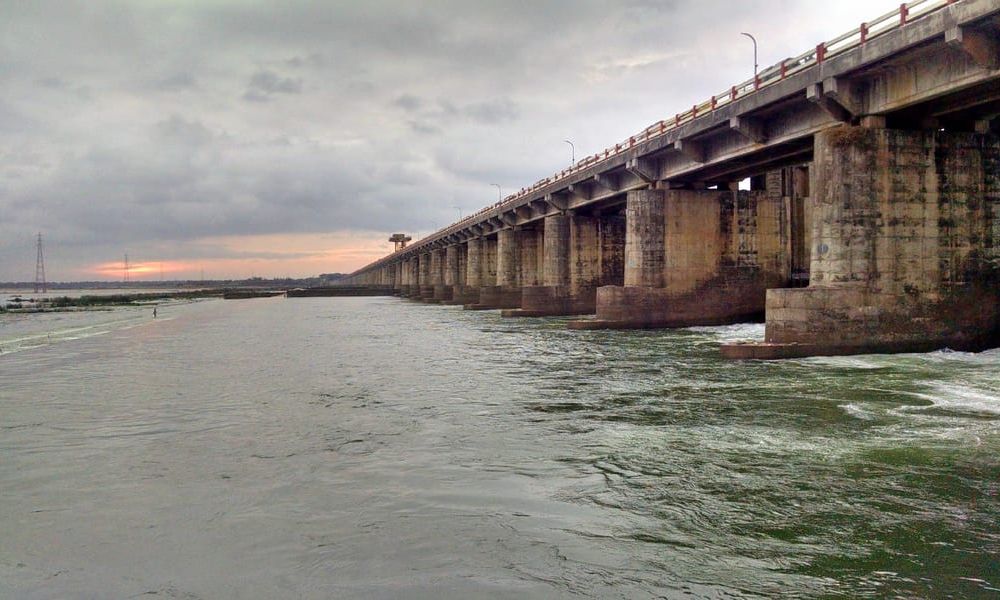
{"x": 870, "y": 223}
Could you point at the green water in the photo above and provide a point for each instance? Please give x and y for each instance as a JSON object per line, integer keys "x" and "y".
{"x": 376, "y": 448}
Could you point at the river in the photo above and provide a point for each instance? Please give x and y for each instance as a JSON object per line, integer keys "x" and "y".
{"x": 378, "y": 448}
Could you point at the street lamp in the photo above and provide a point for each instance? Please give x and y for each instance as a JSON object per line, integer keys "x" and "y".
{"x": 754, "y": 40}
{"x": 573, "y": 151}
{"x": 459, "y": 209}
{"x": 499, "y": 192}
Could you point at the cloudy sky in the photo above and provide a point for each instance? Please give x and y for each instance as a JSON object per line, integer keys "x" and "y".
{"x": 269, "y": 138}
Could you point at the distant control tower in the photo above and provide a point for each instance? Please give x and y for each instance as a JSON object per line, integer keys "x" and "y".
{"x": 400, "y": 239}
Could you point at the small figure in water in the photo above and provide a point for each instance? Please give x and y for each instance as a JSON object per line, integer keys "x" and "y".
{"x": 154, "y": 312}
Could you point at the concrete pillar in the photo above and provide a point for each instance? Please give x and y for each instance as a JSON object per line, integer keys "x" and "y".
{"x": 449, "y": 274}
{"x": 904, "y": 256}
{"x": 530, "y": 242}
{"x": 470, "y": 268}
{"x": 489, "y": 262}
{"x": 438, "y": 288}
{"x": 506, "y": 293}
{"x": 584, "y": 261}
{"x": 696, "y": 257}
{"x": 508, "y": 259}
{"x": 414, "y": 277}
{"x": 644, "y": 239}
{"x": 404, "y": 277}
{"x": 473, "y": 263}
{"x": 426, "y": 283}
{"x": 555, "y": 251}
{"x": 451, "y": 265}
{"x": 611, "y": 237}
{"x": 437, "y": 267}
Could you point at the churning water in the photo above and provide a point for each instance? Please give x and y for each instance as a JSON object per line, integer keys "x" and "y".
{"x": 376, "y": 448}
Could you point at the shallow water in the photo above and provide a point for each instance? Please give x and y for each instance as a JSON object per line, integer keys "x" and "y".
{"x": 376, "y": 448}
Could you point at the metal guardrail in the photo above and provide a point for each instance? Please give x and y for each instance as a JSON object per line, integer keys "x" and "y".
{"x": 772, "y": 75}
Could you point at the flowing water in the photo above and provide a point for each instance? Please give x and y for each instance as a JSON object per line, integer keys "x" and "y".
{"x": 376, "y": 448}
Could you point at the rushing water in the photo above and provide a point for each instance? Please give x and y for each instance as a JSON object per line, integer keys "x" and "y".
{"x": 376, "y": 448}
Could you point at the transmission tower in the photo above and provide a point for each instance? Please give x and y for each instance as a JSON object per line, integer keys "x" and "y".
{"x": 40, "y": 285}
{"x": 125, "y": 275}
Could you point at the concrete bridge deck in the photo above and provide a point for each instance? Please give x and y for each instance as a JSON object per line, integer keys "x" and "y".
{"x": 653, "y": 232}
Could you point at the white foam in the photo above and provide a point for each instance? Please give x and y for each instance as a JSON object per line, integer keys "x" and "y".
{"x": 857, "y": 411}
{"x": 850, "y": 362}
{"x": 751, "y": 332}
{"x": 962, "y": 398}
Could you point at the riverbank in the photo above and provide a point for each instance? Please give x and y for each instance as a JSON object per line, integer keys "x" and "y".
{"x": 84, "y": 302}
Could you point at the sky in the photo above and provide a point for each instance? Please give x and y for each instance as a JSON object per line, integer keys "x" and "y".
{"x": 258, "y": 138}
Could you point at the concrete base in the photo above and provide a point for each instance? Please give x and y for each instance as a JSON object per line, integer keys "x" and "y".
{"x": 550, "y": 301}
{"x": 464, "y": 295}
{"x": 776, "y": 351}
{"x": 442, "y": 294}
{"x": 426, "y": 293}
{"x": 494, "y": 297}
{"x": 738, "y": 298}
{"x": 832, "y": 321}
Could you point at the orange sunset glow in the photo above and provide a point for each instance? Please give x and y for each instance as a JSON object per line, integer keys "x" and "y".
{"x": 239, "y": 257}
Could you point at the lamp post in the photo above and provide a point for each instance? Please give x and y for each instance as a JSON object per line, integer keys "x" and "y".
{"x": 754, "y": 40}
{"x": 459, "y": 209}
{"x": 499, "y": 192}
{"x": 573, "y": 152}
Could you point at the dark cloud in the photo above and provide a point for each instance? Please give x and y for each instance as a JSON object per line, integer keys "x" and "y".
{"x": 176, "y": 81}
{"x": 154, "y": 126}
{"x": 408, "y": 102}
{"x": 264, "y": 84}
{"x": 179, "y": 130}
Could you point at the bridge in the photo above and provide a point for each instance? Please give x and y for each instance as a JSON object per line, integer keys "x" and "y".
{"x": 871, "y": 222}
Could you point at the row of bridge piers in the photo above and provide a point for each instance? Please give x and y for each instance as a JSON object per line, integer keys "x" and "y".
{"x": 888, "y": 240}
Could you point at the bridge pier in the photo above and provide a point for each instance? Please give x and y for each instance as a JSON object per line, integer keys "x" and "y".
{"x": 441, "y": 291}
{"x": 570, "y": 269}
{"x": 424, "y": 278}
{"x": 484, "y": 280}
{"x": 507, "y": 291}
{"x": 469, "y": 272}
{"x": 696, "y": 257}
{"x": 413, "y": 268}
{"x": 406, "y": 278}
{"x": 906, "y": 248}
